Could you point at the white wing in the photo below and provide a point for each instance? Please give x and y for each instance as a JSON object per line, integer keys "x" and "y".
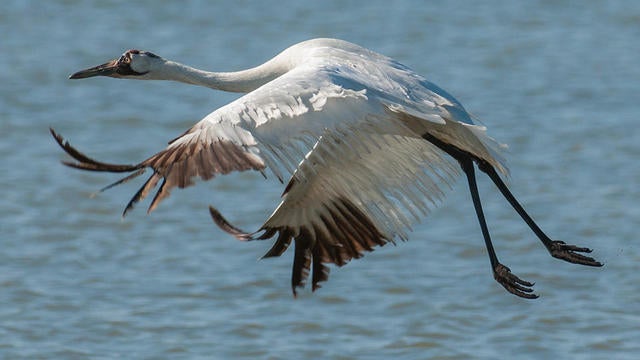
{"x": 367, "y": 177}
{"x": 349, "y": 131}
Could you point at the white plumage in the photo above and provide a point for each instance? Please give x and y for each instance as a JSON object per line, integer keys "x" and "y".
{"x": 366, "y": 143}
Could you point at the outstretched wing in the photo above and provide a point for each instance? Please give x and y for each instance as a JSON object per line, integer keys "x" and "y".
{"x": 352, "y": 192}
{"x": 177, "y": 165}
{"x": 273, "y": 126}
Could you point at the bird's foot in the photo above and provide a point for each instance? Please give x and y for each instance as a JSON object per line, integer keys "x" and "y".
{"x": 570, "y": 253}
{"x": 512, "y": 283}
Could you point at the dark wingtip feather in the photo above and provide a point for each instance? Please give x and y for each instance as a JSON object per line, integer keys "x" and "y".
{"x": 281, "y": 244}
{"x": 142, "y": 192}
{"x": 320, "y": 273}
{"x": 86, "y": 163}
{"x": 223, "y": 224}
{"x": 301, "y": 263}
{"x": 123, "y": 180}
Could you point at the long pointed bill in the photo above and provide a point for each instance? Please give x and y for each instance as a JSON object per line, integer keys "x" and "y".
{"x": 107, "y": 69}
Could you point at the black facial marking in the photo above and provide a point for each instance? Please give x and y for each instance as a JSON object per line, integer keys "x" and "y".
{"x": 124, "y": 64}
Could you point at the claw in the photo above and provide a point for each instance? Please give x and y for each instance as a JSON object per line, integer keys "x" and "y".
{"x": 512, "y": 283}
{"x": 561, "y": 250}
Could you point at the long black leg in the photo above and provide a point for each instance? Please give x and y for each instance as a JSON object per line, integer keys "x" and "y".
{"x": 557, "y": 249}
{"x": 501, "y": 273}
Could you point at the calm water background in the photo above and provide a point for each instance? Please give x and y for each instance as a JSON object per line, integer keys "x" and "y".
{"x": 558, "y": 81}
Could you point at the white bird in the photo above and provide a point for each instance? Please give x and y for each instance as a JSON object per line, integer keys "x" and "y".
{"x": 367, "y": 144}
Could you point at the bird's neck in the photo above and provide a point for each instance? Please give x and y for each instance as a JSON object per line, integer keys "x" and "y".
{"x": 239, "y": 81}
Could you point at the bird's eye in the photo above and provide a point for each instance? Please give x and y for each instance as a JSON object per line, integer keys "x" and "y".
{"x": 125, "y": 59}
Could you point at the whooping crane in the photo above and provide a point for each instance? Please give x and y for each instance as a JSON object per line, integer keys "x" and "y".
{"x": 363, "y": 139}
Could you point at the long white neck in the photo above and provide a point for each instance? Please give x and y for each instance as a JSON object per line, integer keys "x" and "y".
{"x": 239, "y": 81}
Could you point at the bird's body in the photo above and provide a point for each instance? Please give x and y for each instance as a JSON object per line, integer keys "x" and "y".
{"x": 365, "y": 143}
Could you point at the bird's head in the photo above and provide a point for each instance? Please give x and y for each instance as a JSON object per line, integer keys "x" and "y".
{"x": 133, "y": 64}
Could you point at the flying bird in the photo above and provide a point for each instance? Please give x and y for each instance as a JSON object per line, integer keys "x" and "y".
{"x": 364, "y": 144}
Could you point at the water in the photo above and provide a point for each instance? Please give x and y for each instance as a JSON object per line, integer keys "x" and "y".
{"x": 556, "y": 81}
